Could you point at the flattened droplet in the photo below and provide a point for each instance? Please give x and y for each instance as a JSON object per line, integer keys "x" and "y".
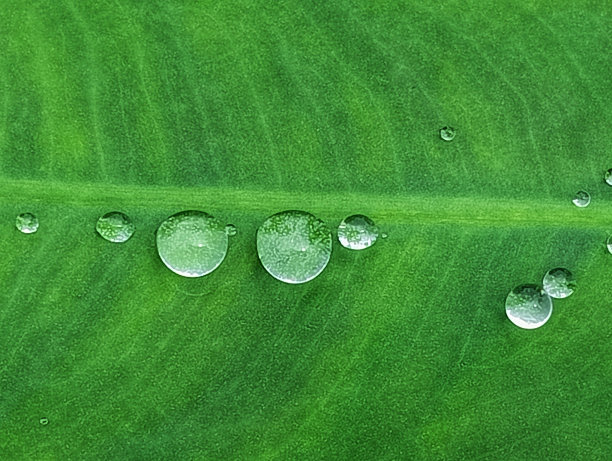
{"x": 27, "y": 223}
{"x": 115, "y": 227}
{"x": 447, "y": 133}
{"x": 294, "y": 246}
{"x": 357, "y": 232}
{"x": 528, "y": 306}
{"x": 559, "y": 283}
{"x": 581, "y": 199}
{"x": 192, "y": 243}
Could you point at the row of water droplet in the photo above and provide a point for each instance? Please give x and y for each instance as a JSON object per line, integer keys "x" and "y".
{"x": 293, "y": 246}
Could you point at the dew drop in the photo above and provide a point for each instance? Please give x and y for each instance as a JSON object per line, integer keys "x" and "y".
{"x": 581, "y": 199}
{"x": 608, "y": 177}
{"x": 115, "y": 227}
{"x": 294, "y": 246}
{"x": 528, "y": 306}
{"x": 230, "y": 230}
{"x": 447, "y": 133}
{"x": 43, "y": 421}
{"x": 384, "y": 235}
{"x": 357, "y": 232}
{"x": 27, "y": 223}
{"x": 559, "y": 283}
{"x": 609, "y": 243}
{"x": 192, "y": 243}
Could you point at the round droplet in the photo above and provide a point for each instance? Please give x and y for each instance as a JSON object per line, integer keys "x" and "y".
{"x": 559, "y": 283}
{"x": 230, "y": 230}
{"x": 447, "y": 133}
{"x": 357, "y": 232}
{"x": 608, "y": 177}
{"x": 581, "y": 199}
{"x": 43, "y": 421}
{"x": 192, "y": 243}
{"x": 115, "y": 227}
{"x": 384, "y": 235}
{"x": 27, "y": 223}
{"x": 528, "y": 306}
{"x": 294, "y": 246}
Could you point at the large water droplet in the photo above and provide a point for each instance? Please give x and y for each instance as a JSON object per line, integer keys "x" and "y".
{"x": 581, "y": 199}
{"x": 608, "y": 177}
{"x": 230, "y": 230}
{"x": 192, "y": 243}
{"x": 447, "y": 133}
{"x": 528, "y": 306}
{"x": 559, "y": 283}
{"x": 115, "y": 227}
{"x": 294, "y": 246}
{"x": 357, "y": 232}
{"x": 27, "y": 223}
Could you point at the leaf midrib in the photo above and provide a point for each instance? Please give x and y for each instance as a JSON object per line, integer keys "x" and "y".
{"x": 417, "y": 209}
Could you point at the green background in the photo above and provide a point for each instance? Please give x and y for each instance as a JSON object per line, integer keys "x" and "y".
{"x": 246, "y": 108}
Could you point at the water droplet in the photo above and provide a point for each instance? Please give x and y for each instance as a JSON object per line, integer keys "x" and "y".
{"x": 27, "y": 223}
{"x": 581, "y": 199}
{"x": 609, "y": 243}
{"x": 230, "y": 230}
{"x": 192, "y": 243}
{"x": 294, "y": 246}
{"x": 115, "y": 227}
{"x": 528, "y": 306}
{"x": 357, "y": 232}
{"x": 608, "y": 177}
{"x": 447, "y": 133}
{"x": 43, "y": 421}
{"x": 384, "y": 235}
{"x": 559, "y": 283}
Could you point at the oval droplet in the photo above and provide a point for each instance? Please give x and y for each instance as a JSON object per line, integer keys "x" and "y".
{"x": 230, "y": 230}
{"x": 528, "y": 306}
{"x": 115, "y": 227}
{"x": 357, "y": 232}
{"x": 608, "y": 177}
{"x": 294, "y": 246}
{"x": 384, "y": 235}
{"x": 27, "y": 223}
{"x": 447, "y": 133}
{"x": 559, "y": 283}
{"x": 581, "y": 199}
{"x": 192, "y": 243}
{"x": 609, "y": 244}
{"x": 43, "y": 421}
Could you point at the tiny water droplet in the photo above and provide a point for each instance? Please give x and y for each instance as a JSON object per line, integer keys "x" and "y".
{"x": 115, "y": 227}
{"x": 447, "y": 133}
{"x": 192, "y": 243}
{"x": 357, "y": 232}
{"x": 528, "y": 306}
{"x": 609, "y": 243}
{"x": 27, "y": 223}
{"x": 384, "y": 235}
{"x": 230, "y": 230}
{"x": 559, "y": 283}
{"x": 608, "y": 177}
{"x": 294, "y": 246}
{"x": 43, "y": 421}
{"x": 581, "y": 199}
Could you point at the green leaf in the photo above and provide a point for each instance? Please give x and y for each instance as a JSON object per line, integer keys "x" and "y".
{"x": 243, "y": 109}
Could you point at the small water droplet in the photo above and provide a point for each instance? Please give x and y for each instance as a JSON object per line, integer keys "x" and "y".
{"x": 608, "y": 177}
{"x": 384, "y": 235}
{"x": 609, "y": 243}
{"x": 294, "y": 246}
{"x": 581, "y": 199}
{"x": 357, "y": 232}
{"x": 192, "y": 243}
{"x": 559, "y": 283}
{"x": 115, "y": 227}
{"x": 230, "y": 230}
{"x": 447, "y": 133}
{"x": 43, "y": 421}
{"x": 528, "y": 306}
{"x": 27, "y": 223}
